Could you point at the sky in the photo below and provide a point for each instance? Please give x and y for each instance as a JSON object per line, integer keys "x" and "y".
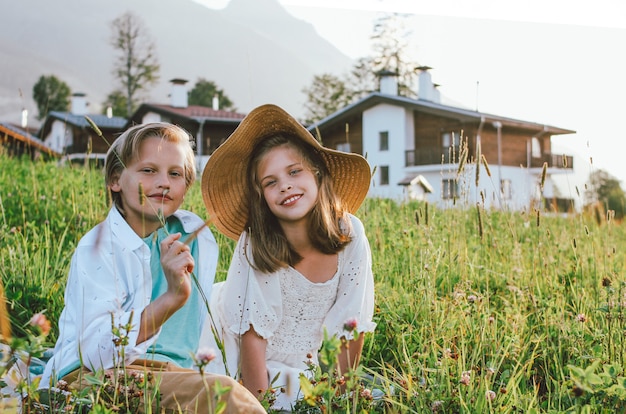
{"x": 557, "y": 62}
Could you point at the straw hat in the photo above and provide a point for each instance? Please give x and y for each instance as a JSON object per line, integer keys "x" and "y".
{"x": 224, "y": 187}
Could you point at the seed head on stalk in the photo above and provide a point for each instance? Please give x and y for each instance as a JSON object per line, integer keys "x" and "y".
{"x": 478, "y": 157}
{"x": 484, "y": 161}
{"x": 462, "y": 161}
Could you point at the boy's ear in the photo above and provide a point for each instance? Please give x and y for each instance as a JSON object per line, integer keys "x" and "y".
{"x": 114, "y": 184}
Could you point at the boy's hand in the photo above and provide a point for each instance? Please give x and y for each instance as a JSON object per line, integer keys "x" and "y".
{"x": 177, "y": 265}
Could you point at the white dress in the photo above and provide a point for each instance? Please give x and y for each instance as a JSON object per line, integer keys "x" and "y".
{"x": 290, "y": 311}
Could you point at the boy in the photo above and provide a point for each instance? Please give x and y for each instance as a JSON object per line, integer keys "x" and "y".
{"x": 145, "y": 268}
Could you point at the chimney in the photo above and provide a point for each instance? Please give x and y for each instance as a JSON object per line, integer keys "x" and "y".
{"x": 79, "y": 104}
{"x": 216, "y": 103}
{"x": 24, "y": 122}
{"x": 427, "y": 90}
{"x": 178, "y": 94}
{"x": 388, "y": 82}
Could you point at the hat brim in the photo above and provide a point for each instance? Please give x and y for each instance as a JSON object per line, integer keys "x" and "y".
{"x": 224, "y": 187}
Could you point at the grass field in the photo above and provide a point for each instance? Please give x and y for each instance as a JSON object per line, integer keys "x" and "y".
{"x": 477, "y": 311}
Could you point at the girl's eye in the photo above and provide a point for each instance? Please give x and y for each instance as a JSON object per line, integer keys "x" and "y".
{"x": 294, "y": 171}
{"x": 176, "y": 174}
{"x": 147, "y": 170}
{"x": 268, "y": 183}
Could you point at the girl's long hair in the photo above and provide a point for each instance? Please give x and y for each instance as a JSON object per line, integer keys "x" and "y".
{"x": 329, "y": 224}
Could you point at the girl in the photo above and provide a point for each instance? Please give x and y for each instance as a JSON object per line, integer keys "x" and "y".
{"x": 302, "y": 262}
{"x": 135, "y": 269}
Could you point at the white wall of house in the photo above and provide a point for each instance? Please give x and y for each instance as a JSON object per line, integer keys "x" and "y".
{"x": 505, "y": 187}
{"x": 392, "y": 120}
{"x": 59, "y": 137}
{"x": 520, "y": 192}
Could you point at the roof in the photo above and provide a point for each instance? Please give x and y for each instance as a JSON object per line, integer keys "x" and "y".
{"x": 194, "y": 112}
{"x": 102, "y": 121}
{"x": 434, "y": 108}
{"x": 19, "y": 134}
{"x": 414, "y": 179}
{"x": 115, "y": 123}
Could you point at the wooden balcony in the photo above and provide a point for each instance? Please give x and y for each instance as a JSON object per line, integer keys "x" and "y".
{"x": 433, "y": 155}
{"x": 438, "y": 155}
{"x": 554, "y": 161}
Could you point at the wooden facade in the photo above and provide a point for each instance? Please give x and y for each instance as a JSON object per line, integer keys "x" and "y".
{"x": 440, "y": 137}
{"x": 208, "y": 127}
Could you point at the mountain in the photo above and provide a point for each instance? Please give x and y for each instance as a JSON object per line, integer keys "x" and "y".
{"x": 253, "y": 49}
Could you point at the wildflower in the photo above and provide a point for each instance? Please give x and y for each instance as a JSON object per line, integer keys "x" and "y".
{"x": 350, "y": 325}
{"x": 204, "y": 356}
{"x": 490, "y": 395}
{"x": 367, "y": 395}
{"x": 436, "y": 406}
{"x": 466, "y": 376}
{"x": 491, "y": 319}
{"x": 448, "y": 353}
{"x": 581, "y": 317}
{"x": 40, "y": 322}
{"x": 472, "y": 298}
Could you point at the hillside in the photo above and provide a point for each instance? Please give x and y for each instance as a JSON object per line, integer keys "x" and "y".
{"x": 253, "y": 49}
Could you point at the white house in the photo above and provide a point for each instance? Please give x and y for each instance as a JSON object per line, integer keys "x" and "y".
{"x": 461, "y": 156}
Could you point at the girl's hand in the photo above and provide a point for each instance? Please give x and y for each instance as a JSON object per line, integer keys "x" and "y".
{"x": 177, "y": 264}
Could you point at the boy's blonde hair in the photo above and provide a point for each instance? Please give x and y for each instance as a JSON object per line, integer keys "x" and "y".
{"x": 126, "y": 148}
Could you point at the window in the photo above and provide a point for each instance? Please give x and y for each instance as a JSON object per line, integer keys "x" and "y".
{"x": 450, "y": 139}
{"x": 450, "y": 189}
{"x": 383, "y": 139}
{"x": 535, "y": 148}
{"x": 344, "y": 147}
{"x": 384, "y": 175}
{"x": 506, "y": 189}
{"x": 450, "y": 147}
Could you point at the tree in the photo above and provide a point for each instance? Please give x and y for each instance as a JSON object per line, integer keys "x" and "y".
{"x": 137, "y": 66}
{"x": 51, "y": 94}
{"x": 327, "y": 94}
{"x": 606, "y": 190}
{"x": 362, "y": 79}
{"x": 203, "y": 93}
{"x": 390, "y": 45}
{"x": 118, "y": 103}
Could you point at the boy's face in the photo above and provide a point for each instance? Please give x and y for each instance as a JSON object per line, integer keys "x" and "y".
{"x": 152, "y": 186}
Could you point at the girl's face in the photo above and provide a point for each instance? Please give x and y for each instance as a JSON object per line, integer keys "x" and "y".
{"x": 159, "y": 170}
{"x": 289, "y": 186}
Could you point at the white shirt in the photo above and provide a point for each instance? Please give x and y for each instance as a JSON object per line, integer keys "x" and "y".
{"x": 109, "y": 284}
{"x": 290, "y": 311}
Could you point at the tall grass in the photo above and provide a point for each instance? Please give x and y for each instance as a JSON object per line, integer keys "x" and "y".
{"x": 477, "y": 310}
